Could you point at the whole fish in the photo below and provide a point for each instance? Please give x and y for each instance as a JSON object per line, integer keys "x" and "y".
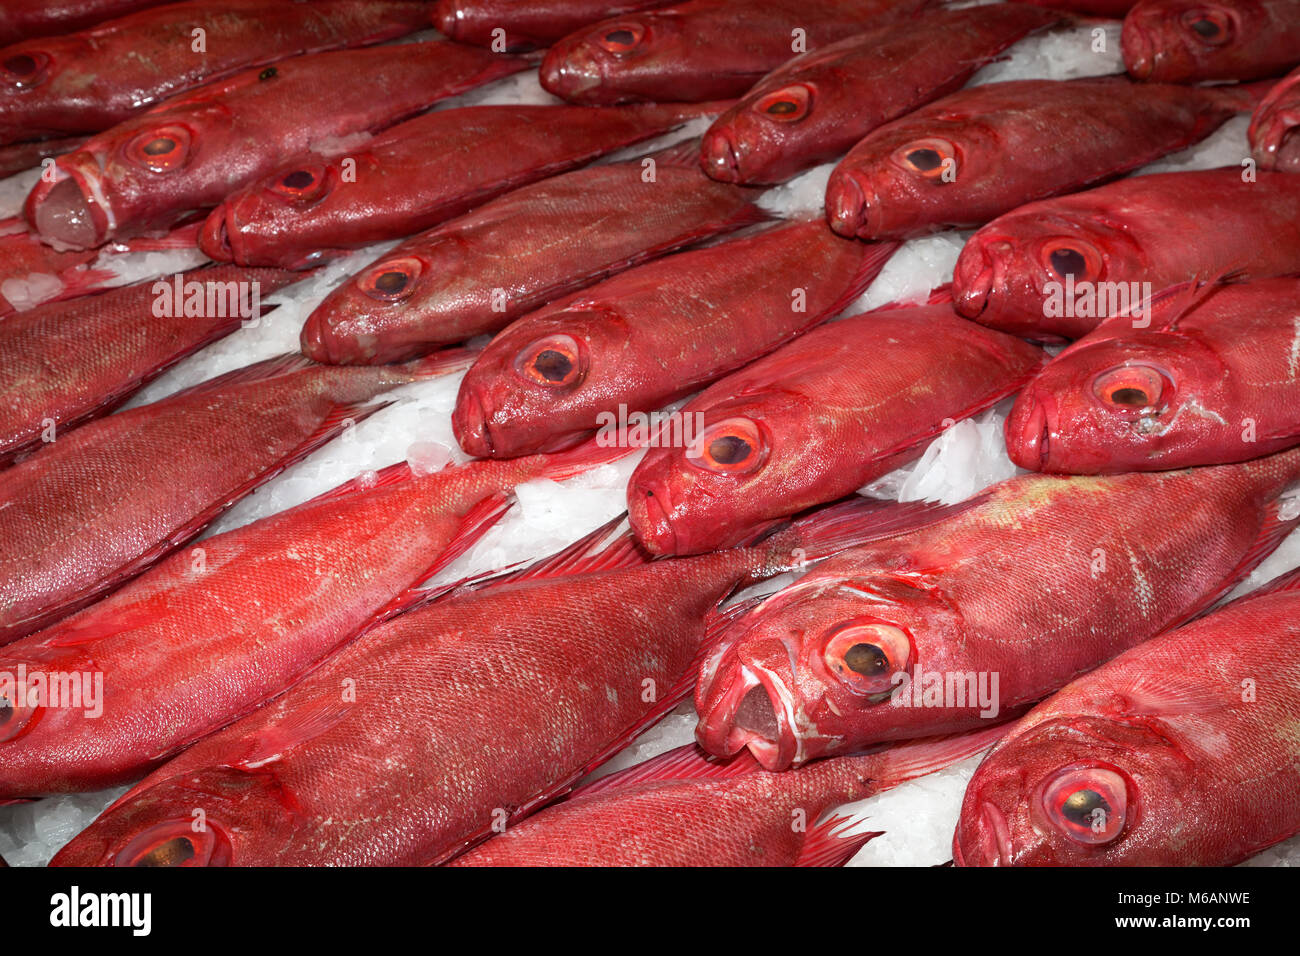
{"x": 191, "y": 151}
{"x": 817, "y": 106}
{"x": 685, "y": 808}
{"x": 972, "y": 156}
{"x": 701, "y": 49}
{"x": 1180, "y": 752}
{"x": 481, "y": 271}
{"x": 416, "y": 175}
{"x": 214, "y": 631}
{"x": 1188, "y": 41}
{"x": 816, "y": 420}
{"x": 654, "y": 334}
{"x": 505, "y": 697}
{"x": 1158, "y": 230}
{"x": 100, "y": 505}
{"x": 38, "y": 18}
{"x": 68, "y": 362}
{"x": 1209, "y": 377}
{"x": 88, "y": 81}
{"x": 1273, "y": 138}
{"x": 516, "y": 25}
{"x": 976, "y": 616}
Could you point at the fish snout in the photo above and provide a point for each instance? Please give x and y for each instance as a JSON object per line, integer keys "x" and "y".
{"x": 569, "y": 72}
{"x": 214, "y": 237}
{"x": 749, "y": 704}
{"x": 469, "y": 422}
{"x": 70, "y": 210}
{"x": 718, "y": 156}
{"x": 1138, "y": 51}
{"x": 1277, "y": 140}
{"x": 448, "y": 16}
{"x": 1028, "y": 431}
{"x": 989, "y": 844}
{"x": 851, "y": 204}
{"x": 981, "y": 268}
{"x": 649, "y": 510}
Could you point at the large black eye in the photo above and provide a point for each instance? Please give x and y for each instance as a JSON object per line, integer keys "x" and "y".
{"x": 924, "y": 160}
{"x": 1214, "y": 27}
{"x": 1087, "y": 804}
{"x": 175, "y": 852}
{"x": 729, "y": 449}
{"x": 1081, "y": 807}
{"x": 553, "y": 360}
{"x": 866, "y": 659}
{"x": 622, "y": 38}
{"x": 1206, "y": 28}
{"x": 553, "y": 365}
{"x": 299, "y": 179}
{"x": 23, "y": 64}
{"x": 1068, "y": 262}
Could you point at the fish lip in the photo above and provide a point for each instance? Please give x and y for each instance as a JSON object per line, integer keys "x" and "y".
{"x": 214, "y": 237}
{"x": 1278, "y": 144}
{"x": 569, "y": 73}
{"x": 718, "y": 157}
{"x": 447, "y": 17}
{"x": 648, "y": 513}
{"x": 83, "y": 170}
{"x": 1138, "y": 53}
{"x": 998, "y": 850}
{"x": 469, "y": 422}
{"x": 1031, "y": 445}
{"x": 722, "y": 731}
{"x": 850, "y": 206}
{"x": 980, "y": 270}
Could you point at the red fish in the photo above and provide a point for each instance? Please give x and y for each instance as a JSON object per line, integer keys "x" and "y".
{"x": 685, "y": 808}
{"x": 817, "y": 106}
{"x": 1100, "y": 8}
{"x": 1188, "y": 41}
{"x": 190, "y": 152}
{"x": 816, "y": 420}
{"x": 40, "y": 18}
{"x": 1273, "y": 138}
{"x": 100, "y": 505}
{"x": 702, "y": 49}
{"x": 654, "y": 334}
{"x": 981, "y": 152}
{"x": 212, "y": 632}
{"x": 481, "y": 271}
{"x": 506, "y": 696}
{"x": 417, "y": 175}
{"x": 1212, "y": 375}
{"x": 980, "y": 614}
{"x": 18, "y": 157}
{"x": 86, "y": 82}
{"x": 69, "y": 362}
{"x": 1161, "y": 230}
{"x": 526, "y": 24}
{"x": 1180, "y": 752}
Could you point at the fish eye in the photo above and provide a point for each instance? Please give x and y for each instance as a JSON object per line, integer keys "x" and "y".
{"x": 301, "y": 185}
{"x": 622, "y": 38}
{"x": 864, "y": 655}
{"x": 931, "y": 158}
{"x": 176, "y": 843}
{"x": 1129, "y": 387}
{"x": 15, "y": 719}
{"x": 393, "y": 280}
{"x": 734, "y": 446}
{"x": 1212, "y": 27}
{"x": 1072, "y": 258}
{"x": 1087, "y": 804}
{"x": 557, "y": 361}
{"x": 788, "y": 105}
{"x": 161, "y": 150}
{"x": 25, "y": 70}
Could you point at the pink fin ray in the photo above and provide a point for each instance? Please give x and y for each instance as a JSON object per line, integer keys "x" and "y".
{"x": 830, "y": 844}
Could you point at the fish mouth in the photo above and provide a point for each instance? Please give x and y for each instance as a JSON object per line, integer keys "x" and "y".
{"x": 1028, "y": 433}
{"x": 980, "y": 270}
{"x": 851, "y": 205}
{"x": 469, "y": 422}
{"x": 718, "y": 157}
{"x": 750, "y": 706}
{"x": 993, "y": 847}
{"x": 447, "y": 17}
{"x": 1138, "y": 51}
{"x": 569, "y": 73}
{"x": 71, "y": 210}
{"x": 648, "y": 514}
{"x": 214, "y": 237}
{"x": 1278, "y": 144}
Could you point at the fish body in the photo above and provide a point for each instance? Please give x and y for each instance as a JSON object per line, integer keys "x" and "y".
{"x": 817, "y": 420}
{"x": 1191, "y": 41}
{"x": 39, "y": 18}
{"x": 519, "y": 252}
{"x": 975, "y": 616}
{"x": 651, "y": 335}
{"x": 1211, "y": 376}
{"x": 85, "y": 82}
{"x": 702, "y": 49}
{"x": 99, "y": 505}
{"x": 1142, "y": 234}
{"x": 1179, "y": 752}
{"x": 71, "y": 361}
{"x": 190, "y": 152}
{"x": 416, "y": 175}
{"x": 1273, "y": 139}
{"x": 209, "y": 634}
{"x": 980, "y": 152}
{"x": 526, "y": 24}
{"x": 815, "y": 108}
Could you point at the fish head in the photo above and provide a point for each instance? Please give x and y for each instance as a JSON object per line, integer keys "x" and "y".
{"x": 27, "y": 70}
{"x": 709, "y": 481}
{"x": 1073, "y": 790}
{"x": 252, "y": 225}
{"x": 1009, "y": 270}
{"x": 1119, "y": 400}
{"x": 1172, "y": 41}
{"x": 813, "y": 669}
{"x": 908, "y": 177}
{"x": 386, "y": 312}
{"x": 126, "y": 181}
{"x": 604, "y": 64}
{"x": 540, "y": 384}
{"x": 750, "y": 142}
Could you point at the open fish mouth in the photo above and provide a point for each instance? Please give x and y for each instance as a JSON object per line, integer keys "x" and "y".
{"x": 70, "y": 210}
{"x": 748, "y": 706}
{"x": 1278, "y": 144}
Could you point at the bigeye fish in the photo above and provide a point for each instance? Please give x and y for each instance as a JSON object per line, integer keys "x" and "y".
{"x": 702, "y": 49}
{"x": 817, "y": 106}
{"x": 1273, "y": 139}
{"x": 1057, "y": 268}
{"x": 976, "y": 154}
{"x": 975, "y": 616}
{"x": 1179, "y": 752}
{"x": 1189, "y": 41}
{"x": 1211, "y": 376}
{"x": 817, "y": 419}
{"x": 517, "y": 25}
